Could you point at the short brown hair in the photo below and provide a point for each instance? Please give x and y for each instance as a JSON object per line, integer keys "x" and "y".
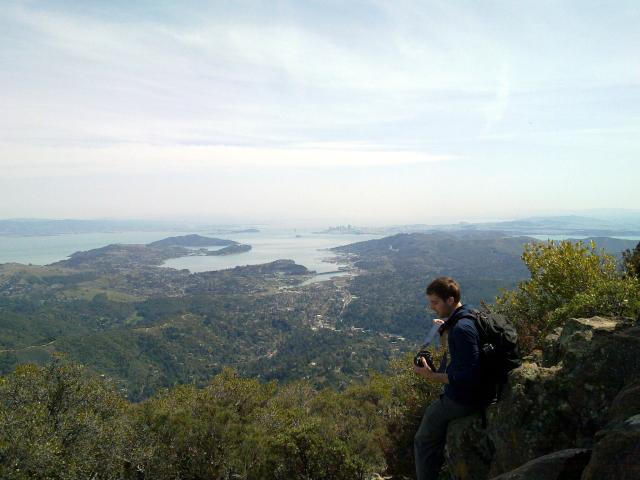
{"x": 444, "y": 287}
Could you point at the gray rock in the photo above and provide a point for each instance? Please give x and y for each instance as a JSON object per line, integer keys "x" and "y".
{"x": 626, "y": 403}
{"x": 469, "y": 450}
{"x": 531, "y": 420}
{"x": 616, "y": 454}
{"x": 550, "y": 349}
{"x": 563, "y": 465}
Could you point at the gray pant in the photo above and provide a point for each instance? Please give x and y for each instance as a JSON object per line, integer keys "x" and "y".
{"x": 428, "y": 444}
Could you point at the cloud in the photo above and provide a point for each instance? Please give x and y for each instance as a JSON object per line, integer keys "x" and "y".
{"x": 221, "y": 80}
{"x": 334, "y": 87}
{"x": 137, "y": 159}
{"x": 497, "y": 108}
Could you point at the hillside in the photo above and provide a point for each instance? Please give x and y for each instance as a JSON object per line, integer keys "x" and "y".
{"x": 115, "y": 310}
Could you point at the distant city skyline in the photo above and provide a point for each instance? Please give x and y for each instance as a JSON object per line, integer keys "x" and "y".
{"x": 358, "y": 112}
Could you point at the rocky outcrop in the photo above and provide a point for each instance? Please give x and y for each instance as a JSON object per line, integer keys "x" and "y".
{"x": 581, "y": 393}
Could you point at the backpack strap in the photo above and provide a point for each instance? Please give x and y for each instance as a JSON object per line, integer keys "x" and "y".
{"x": 451, "y": 321}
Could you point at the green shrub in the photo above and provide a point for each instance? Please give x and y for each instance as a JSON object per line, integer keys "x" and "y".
{"x": 567, "y": 280}
{"x": 397, "y": 401}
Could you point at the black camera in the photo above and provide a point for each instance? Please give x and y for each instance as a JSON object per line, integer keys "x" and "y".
{"x": 426, "y": 354}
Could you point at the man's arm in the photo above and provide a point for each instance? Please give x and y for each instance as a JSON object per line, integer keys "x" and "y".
{"x": 465, "y": 371}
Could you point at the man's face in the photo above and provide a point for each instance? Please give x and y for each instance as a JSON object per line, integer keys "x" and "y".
{"x": 442, "y": 308}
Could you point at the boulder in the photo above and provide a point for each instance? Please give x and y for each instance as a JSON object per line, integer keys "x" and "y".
{"x": 563, "y": 465}
{"x": 578, "y": 333}
{"x": 469, "y": 450}
{"x": 531, "y": 420}
{"x": 616, "y": 455}
{"x": 626, "y": 403}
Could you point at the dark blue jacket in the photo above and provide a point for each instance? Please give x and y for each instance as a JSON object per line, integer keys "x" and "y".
{"x": 464, "y": 350}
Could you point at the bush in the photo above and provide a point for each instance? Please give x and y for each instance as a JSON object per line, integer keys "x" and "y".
{"x": 396, "y": 402}
{"x": 194, "y": 433}
{"x": 241, "y": 428}
{"x": 567, "y": 280}
{"x": 59, "y": 422}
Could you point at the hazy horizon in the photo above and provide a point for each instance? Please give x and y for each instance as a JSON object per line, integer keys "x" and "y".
{"x": 612, "y": 215}
{"x": 367, "y": 112}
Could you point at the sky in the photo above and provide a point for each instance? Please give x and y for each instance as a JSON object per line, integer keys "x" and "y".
{"x": 366, "y": 112}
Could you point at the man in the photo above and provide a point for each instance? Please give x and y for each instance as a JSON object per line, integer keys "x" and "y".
{"x": 459, "y": 397}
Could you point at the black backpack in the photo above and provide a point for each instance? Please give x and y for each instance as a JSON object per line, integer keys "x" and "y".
{"x": 499, "y": 354}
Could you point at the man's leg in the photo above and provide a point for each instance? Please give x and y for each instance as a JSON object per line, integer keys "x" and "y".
{"x": 428, "y": 443}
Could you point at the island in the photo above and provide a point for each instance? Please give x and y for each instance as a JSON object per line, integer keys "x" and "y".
{"x": 231, "y": 247}
{"x": 192, "y": 240}
{"x": 230, "y": 250}
{"x": 120, "y": 257}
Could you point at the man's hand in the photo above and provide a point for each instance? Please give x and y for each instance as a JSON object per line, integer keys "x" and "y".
{"x": 425, "y": 372}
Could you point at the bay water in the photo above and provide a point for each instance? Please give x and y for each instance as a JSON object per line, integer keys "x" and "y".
{"x": 302, "y": 246}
